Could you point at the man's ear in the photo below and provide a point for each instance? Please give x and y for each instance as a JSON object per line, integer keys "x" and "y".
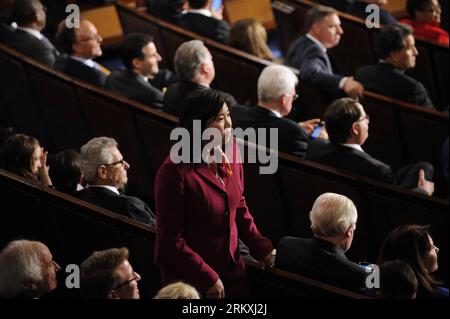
{"x": 112, "y": 294}
{"x": 136, "y": 63}
{"x": 354, "y": 130}
{"x": 283, "y": 99}
{"x": 349, "y": 231}
{"x": 101, "y": 172}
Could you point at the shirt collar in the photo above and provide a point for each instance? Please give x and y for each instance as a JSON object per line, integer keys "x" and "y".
{"x": 354, "y": 146}
{"x": 277, "y": 114}
{"x": 204, "y": 12}
{"x": 33, "y": 32}
{"x": 111, "y": 188}
{"x": 89, "y": 62}
{"x": 309, "y": 36}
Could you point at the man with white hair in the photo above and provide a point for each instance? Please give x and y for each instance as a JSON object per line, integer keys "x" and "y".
{"x": 194, "y": 67}
{"x": 105, "y": 171}
{"x": 333, "y": 222}
{"x": 27, "y": 270}
{"x": 276, "y": 93}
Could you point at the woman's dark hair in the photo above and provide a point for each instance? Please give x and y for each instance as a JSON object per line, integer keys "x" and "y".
{"x": 203, "y": 105}
{"x": 65, "y": 171}
{"x": 17, "y": 154}
{"x": 410, "y": 243}
{"x": 397, "y": 280}
{"x": 339, "y": 118}
{"x": 416, "y": 5}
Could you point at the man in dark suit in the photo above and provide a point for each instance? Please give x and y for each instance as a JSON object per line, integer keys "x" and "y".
{"x": 348, "y": 127}
{"x": 202, "y": 20}
{"x": 333, "y": 222}
{"x": 81, "y": 46}
{"x": 105, "y": 171}
{"x": 358, "y": 8}
{"x": 141, "y": 59}
{"x": 195, "y": 69}
{"x": 276, "y": 92}
{"x": 309, "y": 54}
{"x": 397, "y": 54}
{"x": 170, "y": 10}
{"x": 6, "y": 8}
{"x": 27, "y": 38}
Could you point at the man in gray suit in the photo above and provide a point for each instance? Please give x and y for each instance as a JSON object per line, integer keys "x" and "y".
{"x": 27, "y": 38}
{"x": 309, "y": 54}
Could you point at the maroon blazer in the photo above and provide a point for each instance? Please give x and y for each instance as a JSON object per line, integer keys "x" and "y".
{"x": 199, "y": 220}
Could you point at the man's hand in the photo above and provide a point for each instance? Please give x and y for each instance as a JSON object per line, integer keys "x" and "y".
{"x": 218, "y": 14}
{"x": 309, "y": 125}
{"x": 353, "y": 88}
{"x": 268, "y": 260}
{"x": 425, "y": 185}
{"x": 217, "y": 291}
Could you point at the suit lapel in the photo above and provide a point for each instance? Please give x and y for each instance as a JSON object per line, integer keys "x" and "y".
{"x": 204, "y": 171}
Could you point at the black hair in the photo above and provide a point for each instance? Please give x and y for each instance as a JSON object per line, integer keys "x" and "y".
{"x": 391, "y": 38}
{"x": 132, "y": 48}
{"x": 339, "y": 118}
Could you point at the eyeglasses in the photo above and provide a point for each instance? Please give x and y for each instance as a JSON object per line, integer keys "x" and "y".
{"x": 121, "y": 162}
{"x": 294, "y": 97}
{"x": 96, "y": 37}
{"x": 135, "y": 277}
{"x": 363, "y": 118}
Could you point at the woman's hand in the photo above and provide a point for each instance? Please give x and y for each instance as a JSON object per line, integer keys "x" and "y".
{"x": 217, "y": 291}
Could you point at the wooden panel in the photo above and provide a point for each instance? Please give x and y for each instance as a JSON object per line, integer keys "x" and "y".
{"x": 235, "y": 10}
{"x": 24, "y": 113}
{"x": 61, "y": 110}
{"x": 106, "y": 20}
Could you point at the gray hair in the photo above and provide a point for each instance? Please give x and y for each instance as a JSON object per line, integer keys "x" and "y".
{"x": 317, "y": 14}
{"x": 95, "y": 153}
{"x": 332, "y": 214}
{"x": 274, "y": 81}
{"x": 20, "y": 266}
{"x": 188, "y": 59}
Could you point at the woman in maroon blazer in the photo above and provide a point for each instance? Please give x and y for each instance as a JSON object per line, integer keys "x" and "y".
{"x": 201, "y": 209}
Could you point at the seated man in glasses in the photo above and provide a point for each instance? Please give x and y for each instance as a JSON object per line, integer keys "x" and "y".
{"x": 348, "y": 128}
{"x": 81, "y": 46}
{"x": 107, "y": 274}
{"x": 105, "y": 171}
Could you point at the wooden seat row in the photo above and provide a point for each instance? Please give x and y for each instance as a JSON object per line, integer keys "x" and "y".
{"x": 279, "y": 202}
{"x": 73, "y": 229}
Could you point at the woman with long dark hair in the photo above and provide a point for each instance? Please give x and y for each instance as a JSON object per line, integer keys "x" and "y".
{"x": 22, "y": 154}
{"x": 414, "y": 245}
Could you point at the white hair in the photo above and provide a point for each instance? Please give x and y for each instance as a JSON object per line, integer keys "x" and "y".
{"x": 188, "y": 59}
{"x": 178, "y": 290}
{"x": 94, "y": 153}
{"x": 20, "y": 266}
{"x": 332, "y": 214}
{"x": 274, "y": 81}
